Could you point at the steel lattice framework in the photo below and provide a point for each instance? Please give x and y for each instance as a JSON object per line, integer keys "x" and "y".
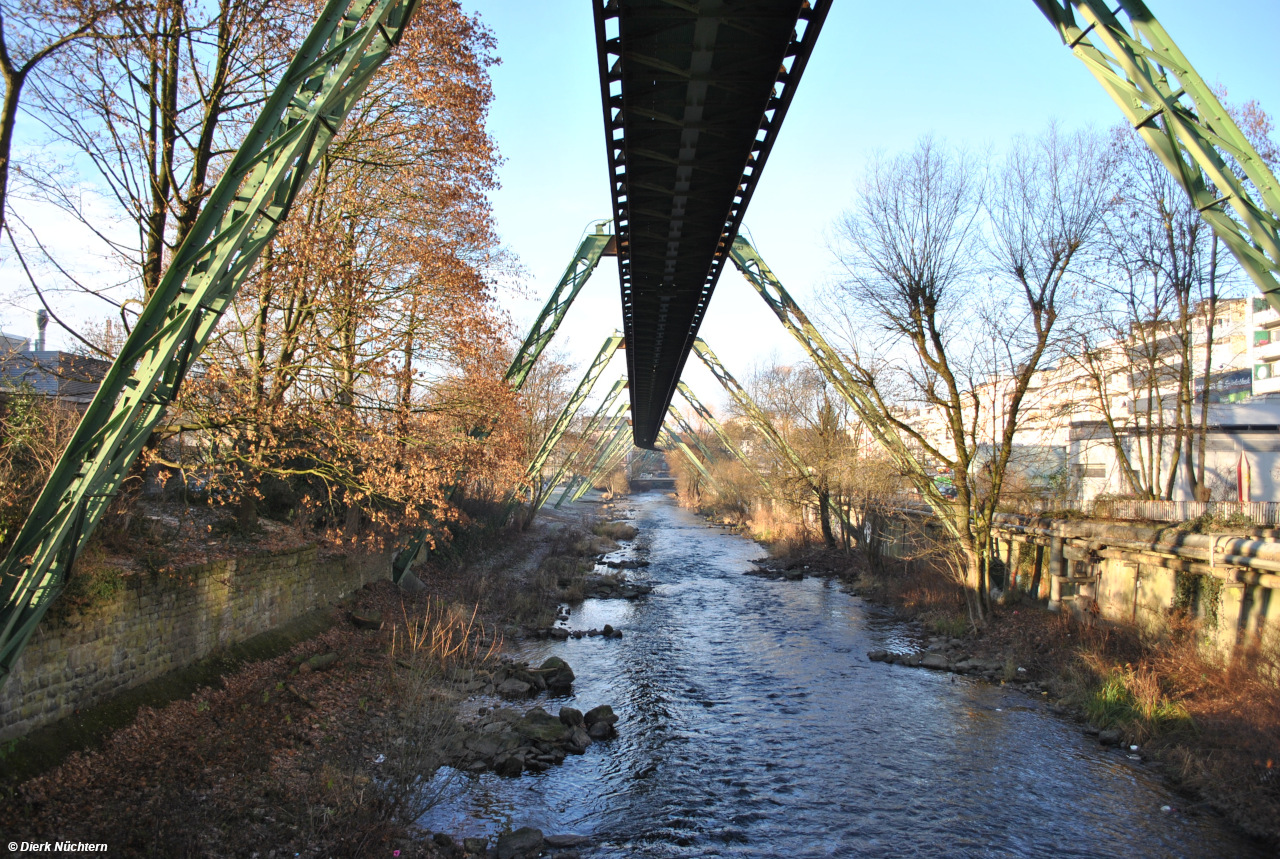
{"x": 330, "y": 72}
{"x": 1181, "y": 120}
{"x": 694, "y": 94}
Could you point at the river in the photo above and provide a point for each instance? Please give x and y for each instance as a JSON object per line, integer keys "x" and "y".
{"x": 753, "y": 724}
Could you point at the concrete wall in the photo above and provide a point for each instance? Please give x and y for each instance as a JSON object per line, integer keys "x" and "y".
{"x": 158, "y": 624}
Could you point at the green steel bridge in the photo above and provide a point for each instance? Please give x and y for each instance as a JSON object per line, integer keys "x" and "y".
{"x": 694, "y": 93}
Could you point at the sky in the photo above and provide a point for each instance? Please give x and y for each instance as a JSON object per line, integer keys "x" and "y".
{"x": 881, "y": 76}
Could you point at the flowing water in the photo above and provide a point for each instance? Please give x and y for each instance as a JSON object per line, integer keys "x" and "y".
{"x": 753, "y": 724}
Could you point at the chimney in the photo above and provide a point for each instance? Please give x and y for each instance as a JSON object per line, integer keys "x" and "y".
{"x": 42, "y": 322}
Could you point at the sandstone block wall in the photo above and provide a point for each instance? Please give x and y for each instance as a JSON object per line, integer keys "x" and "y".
{"x": 158, "y": 624}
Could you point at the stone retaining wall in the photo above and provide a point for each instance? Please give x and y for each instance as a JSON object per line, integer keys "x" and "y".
{"x": 1237, "y": 607}
{"x": 158, "y": 624}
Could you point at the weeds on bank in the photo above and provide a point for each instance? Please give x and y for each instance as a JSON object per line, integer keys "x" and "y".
{"x": 441, "y": 644}
{"x": 1134, "y": 700}
{"x": 614, "y": 530}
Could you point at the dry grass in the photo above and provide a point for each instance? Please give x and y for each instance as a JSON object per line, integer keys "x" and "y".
{"x": 615, "y": 530}
{"x": 430, "y": 648}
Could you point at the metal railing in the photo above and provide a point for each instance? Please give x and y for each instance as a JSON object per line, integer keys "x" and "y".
{"x": 1260, "y": 512}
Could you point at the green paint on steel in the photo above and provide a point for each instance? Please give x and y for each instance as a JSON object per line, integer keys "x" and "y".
{"x": 762, "y": 422}
{"x": 674, "y": 442}
{"x": 593, "y": 246}
{"x": 1181, "y": 120}
{"x": 592, "y": 457}
{"x": 615, "y": 450}
{"x": 608, "y": 403}
{"x": 710, "y": 420}
{"x": 580, "y": 394}
{"x": 333, "y": 67}
{"x": 688, "y": 430}
{"x": 870, "y": 411}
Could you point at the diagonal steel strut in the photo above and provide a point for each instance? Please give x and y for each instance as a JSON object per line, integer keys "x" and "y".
{"x": 593, "y": 246}
{"x": 610, "y": 400}
{"x": 1181, "y": 120}
{"x": 591, "y": 458}
{"x": 580, "y": 394}
{"x": 331, "y": 70}
{"x": 763, "y": 280}
{"x": 762, "y": 422}
{"x": 710, "y": 420}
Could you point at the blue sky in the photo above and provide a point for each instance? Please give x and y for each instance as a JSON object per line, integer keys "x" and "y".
{"x": 882, "y": 75}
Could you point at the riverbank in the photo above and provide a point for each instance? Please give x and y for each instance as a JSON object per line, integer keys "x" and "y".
{"x": 1213, "y": 729}
{"x": 315, "y": 751}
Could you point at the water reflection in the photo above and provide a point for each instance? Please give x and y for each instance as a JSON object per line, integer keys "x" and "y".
{"x": 753, "y": 725}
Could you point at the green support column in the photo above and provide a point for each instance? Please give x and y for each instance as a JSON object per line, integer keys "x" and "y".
{"x": 705, "y": 414}
{"x": 688, "y": 430}
{"x": 603, "y": 443}
{"x": 595, "y": 245}
{"x": 1167, "y": 102}
{"x": 674, "y": 442}
{"x": 610, "y": 400}
{"x": 343, "y": 51}
{"x": 828, "y": 361}
{"x": 616, "y": 448}
{"x": 762, "y": 422}
{"x": 580, "y": 394}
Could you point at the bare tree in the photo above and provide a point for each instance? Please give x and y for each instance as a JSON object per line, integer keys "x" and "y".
{"x": 955, "y": 280}
{"x": 30, "y": 34}
{"x": 813, "y": 419}
{"x": 155, "y": 107}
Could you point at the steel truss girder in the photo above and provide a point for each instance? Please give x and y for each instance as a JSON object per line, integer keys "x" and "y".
{"x": 349, "y": 42}
{"x": 1149, "y": 78}
{"x": 608, "y": 403}
{"x": 592, "y": 457}
{"x": 710, "y": 420}
{"x": 674, "y": 227}
{"x": 761, "y": 420}
{"x": 611, "y": 344}
{"x": 767, "y": 285}
{"x": 674, "y": 441}
{"x": 593, "y": 246}
{"x": 608, "y": 459}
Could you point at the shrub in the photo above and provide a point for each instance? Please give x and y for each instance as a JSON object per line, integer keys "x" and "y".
{"x": 614, "y": 530}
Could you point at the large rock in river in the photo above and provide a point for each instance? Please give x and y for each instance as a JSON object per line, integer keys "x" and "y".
{"x": 524, "y": 843}
{"x": 538, "y": 724}
{"x": 557, "y": 674}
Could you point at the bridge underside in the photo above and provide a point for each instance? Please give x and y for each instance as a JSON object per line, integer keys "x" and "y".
{"x": 694, "y": 94}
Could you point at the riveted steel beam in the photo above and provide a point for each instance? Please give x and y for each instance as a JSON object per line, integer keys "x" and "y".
{"x": 594, "y": 245}
{"x": 693, "y": 97}
{"x": 1181, "y": 120}
{"x": 331, "y": 70}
